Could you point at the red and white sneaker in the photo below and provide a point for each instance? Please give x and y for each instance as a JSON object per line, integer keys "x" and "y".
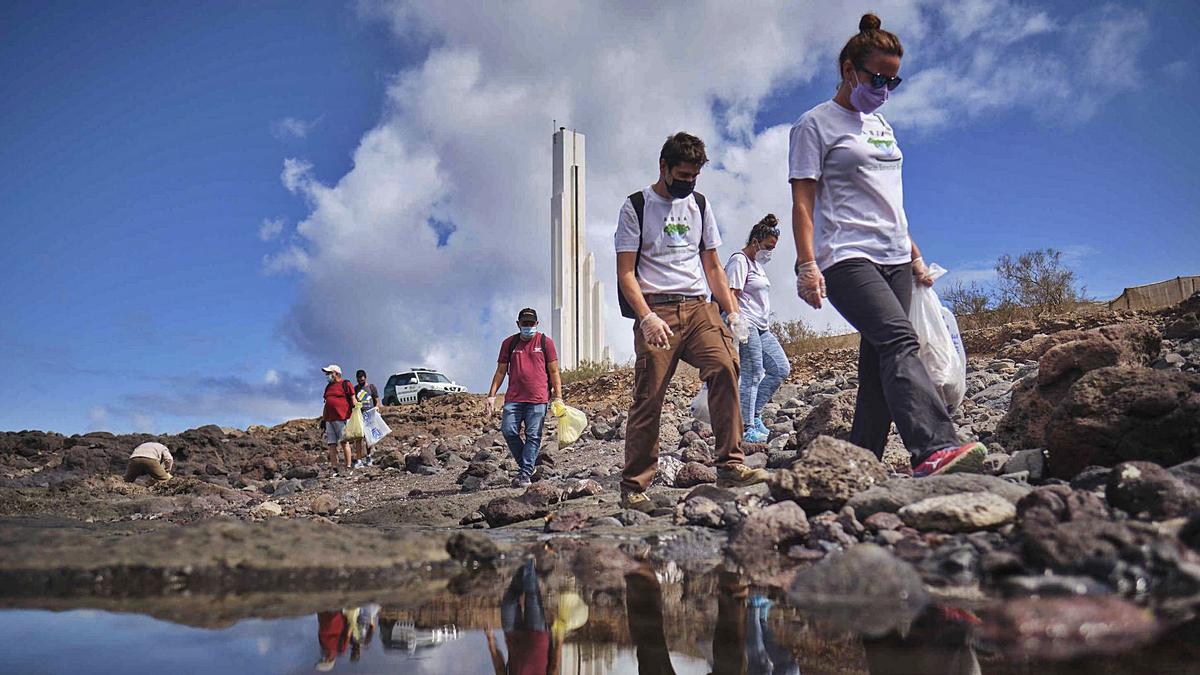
{"x": 963, "y": 459}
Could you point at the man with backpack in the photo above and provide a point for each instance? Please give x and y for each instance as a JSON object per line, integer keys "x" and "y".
{"x": 339, "y": 403}
{"x": 666, "y": 243}
{"x": 530, "y": 361}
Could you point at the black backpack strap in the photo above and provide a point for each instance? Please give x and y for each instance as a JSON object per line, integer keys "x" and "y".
{"x": 348, "y": 393}
{"x": 512, "y": 345}
{"x": 638, "y": 199}
{"x": 703, "y": 204}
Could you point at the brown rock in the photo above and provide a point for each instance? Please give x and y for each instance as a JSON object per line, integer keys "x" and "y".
{"x": 695, "y": 473}
{"x": 826, "y": 474}
{"x": 325, "y": 505}
{"x": 1146, "y": 489}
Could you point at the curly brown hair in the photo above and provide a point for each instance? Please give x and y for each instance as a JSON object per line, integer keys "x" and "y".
{"x": 683, "y": 147}
{"x": 766, "y": 228}
{"x": 870, "y": 38}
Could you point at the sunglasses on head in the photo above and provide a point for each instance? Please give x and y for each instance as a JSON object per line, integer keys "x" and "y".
{"x": 878, "y": 80}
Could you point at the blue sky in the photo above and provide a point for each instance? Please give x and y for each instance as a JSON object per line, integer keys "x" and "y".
{"x": 205, "y": 201}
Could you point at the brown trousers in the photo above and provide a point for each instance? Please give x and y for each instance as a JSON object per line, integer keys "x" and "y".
{"x": 702, "y": 340}
{"x": 139, "y": 466}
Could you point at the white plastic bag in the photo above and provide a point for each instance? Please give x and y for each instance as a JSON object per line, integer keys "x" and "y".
{"x": 374, "y": 427}
{"x": 954, "y": 391}
{"x": 699, "y": 405}
{"x": 937, "y": 351}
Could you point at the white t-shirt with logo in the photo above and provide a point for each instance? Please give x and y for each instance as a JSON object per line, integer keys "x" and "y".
{"x": 750, "y": 278}
{"x": 670, "y": 242}
{"x": 854, "y": 158}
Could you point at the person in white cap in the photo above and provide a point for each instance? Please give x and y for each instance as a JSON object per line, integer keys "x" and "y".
{"x": 339, "y": 403}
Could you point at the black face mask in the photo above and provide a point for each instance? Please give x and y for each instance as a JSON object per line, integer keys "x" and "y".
{"x": 680, "y": 189}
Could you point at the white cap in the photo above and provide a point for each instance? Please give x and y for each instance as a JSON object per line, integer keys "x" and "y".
{"x": 332, "y": 368}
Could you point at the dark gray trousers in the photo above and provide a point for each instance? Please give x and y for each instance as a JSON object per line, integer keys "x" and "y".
{"x": 892, "y": 382}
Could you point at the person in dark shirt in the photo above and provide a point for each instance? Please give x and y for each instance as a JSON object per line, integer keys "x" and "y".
{"x": 369, "y": 396}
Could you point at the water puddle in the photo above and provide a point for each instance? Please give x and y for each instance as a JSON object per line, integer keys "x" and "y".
{"x": 538, "y": 617}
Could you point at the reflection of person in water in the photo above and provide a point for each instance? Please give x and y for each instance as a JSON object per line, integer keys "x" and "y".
{"x": 644, "y": 610}
{"x": 938, "y": 643}
{"x": 362, "y": 629}
{"x": 764, "y": 655}
{"x": 333, "y": 633}
{"x": 526, "y": 633}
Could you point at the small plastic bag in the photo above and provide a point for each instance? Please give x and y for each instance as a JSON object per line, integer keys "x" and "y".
{"x": 354, "y": 425}
{"x": 572, "y": 614}
{"x": 937, "y": 351}
{"x": 699, "y": 405}
{"x": 375, "y": 427}
{"x": 954, "y": 390}
{"x": 571, "y": 423}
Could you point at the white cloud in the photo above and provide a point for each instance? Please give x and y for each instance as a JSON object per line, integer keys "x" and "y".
{"x": 291, "y": 128}
{"x": 465, "y": 140}
{"x": 97, "y": 417}
{"x": 272, "y": 377}
{"x": 270, "y": 228}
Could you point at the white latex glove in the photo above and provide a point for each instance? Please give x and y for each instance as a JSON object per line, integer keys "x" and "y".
{"x": 921, "y": 272}
{"x": 810, "y": 283}
{"x": 489, "y": 406}
{"x": 656, "y": 331}
{"x": 737, "y": 325}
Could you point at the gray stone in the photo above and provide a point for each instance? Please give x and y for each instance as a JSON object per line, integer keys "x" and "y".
{"x": 965, "y": 512}
{"x": 702, "y": 511}
{"x": 508, "y": 510}
{"x": 1033, "y": 461}
{"x": 831, "y": 417}
{"x": 630, "y": 518}
{"x": 864, "y": 590}
{"x": 900, "y": 492}
{"x": 826, "y": 474}
{"x": 765, "y": 535}
{"x": 267, "y": 510}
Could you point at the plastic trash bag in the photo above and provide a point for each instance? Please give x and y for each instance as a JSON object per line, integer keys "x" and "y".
{"x": 937, "y": 351}
{"x": 699, "y": 405}
{"x": 571, "y": 423}
{"x": 954, "y": 391}
{"x": 572, "y": 614}
{"x": 374, "y": 427}
{"x": 354, "y": 425}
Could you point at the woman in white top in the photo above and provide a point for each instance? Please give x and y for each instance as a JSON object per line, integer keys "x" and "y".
{"x": 852, "y": 244}
{"x": 764, "y": 366}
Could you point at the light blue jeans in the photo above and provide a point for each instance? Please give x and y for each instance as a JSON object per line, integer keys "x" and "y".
{"x": 524, "y": 450}
{"x": 764, "y": 367}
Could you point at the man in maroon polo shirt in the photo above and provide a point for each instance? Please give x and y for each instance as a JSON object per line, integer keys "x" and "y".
{"x": 530, "y": 360}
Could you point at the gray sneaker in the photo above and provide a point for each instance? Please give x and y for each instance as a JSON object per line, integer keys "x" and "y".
{"x": 521, "y": 481}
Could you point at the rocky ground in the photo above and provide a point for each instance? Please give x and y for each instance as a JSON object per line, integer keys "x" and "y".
{"x": 1091, "y": 491}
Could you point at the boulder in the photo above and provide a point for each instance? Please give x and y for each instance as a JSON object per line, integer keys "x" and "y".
{"x": 1188, "y": 472}
{"x": 831, "y": 417}
{"x": 695, "y": 473}
{"x": 562, "y": 522}
{"x": 302, "y": 472}
{"x": 473, "y": 548}
{"x": 959, "y": 513}
{"x": 883, "y": 521}
{"x": 1069, "y": 356}
{"x": 766, "y": 534}
{"x": 583, "y": 488}
{"x": 266, "y": 510}
{"x": 1033, "y": 461}
{"x": 1119, "y": 414}
{"x": 325, "y": 505}
{"x": 508, "y": 510}
{"x": 826, "y": 474}
{"x": 1064, "y": 628}
{"x": 897, "y": 493}
{"x": 864, "y": 590}
{"x": 701, "y": 511}
{"x": 1144, "y": 489}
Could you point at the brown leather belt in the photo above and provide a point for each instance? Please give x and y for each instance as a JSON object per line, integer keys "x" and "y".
{"x": 653, "y": 299}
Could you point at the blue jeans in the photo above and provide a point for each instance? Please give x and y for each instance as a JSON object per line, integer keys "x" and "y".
{"x": 764, "y": 368}
{"x": 524, "y": 450}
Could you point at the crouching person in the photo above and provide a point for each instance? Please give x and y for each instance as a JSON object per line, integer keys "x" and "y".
{"x": 152, "y": 459}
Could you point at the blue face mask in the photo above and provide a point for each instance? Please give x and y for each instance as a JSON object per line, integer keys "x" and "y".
{"x": 528, "y": 332}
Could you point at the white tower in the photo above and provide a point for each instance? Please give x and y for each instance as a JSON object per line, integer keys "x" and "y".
{"x": 576, "y": 296}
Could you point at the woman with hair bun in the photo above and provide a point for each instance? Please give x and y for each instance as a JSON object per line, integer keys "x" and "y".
{"x": 764, "y": 366}
{"x": 853, "y": 246}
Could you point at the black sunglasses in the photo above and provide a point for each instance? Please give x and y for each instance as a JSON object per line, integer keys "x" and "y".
{"x": 878, "y": 80}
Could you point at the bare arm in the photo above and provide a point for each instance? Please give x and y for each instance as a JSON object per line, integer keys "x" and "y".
{"x": 804, "y": 194}
{"x": 628, "y": 282}
{"x": 497, "y": 660}
{"x": 555, "y": 380}
{"x": 497, "y": 378}
{"x": 718, "y": 281}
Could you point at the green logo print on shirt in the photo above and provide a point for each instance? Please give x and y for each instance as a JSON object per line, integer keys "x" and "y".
{"x": 676, "y": 231}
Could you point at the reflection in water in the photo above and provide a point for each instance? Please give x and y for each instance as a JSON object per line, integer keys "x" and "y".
{"x": 540, "y": 618}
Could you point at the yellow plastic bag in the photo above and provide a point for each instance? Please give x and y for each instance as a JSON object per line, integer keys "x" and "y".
{"x": 571, "y": 423}
{"x": 355, "y": 429}
{"x": 572, "y": 614}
